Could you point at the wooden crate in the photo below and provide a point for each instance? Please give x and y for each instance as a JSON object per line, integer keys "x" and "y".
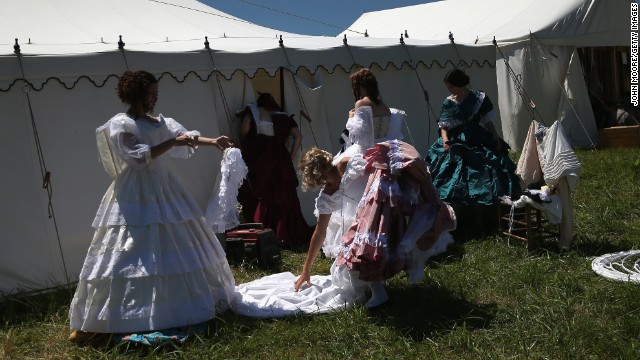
{"x": 620, "y": 136}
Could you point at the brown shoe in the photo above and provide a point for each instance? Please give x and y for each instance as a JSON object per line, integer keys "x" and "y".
{"x": 93, "y": 339}
{"x": 81, "y": 337}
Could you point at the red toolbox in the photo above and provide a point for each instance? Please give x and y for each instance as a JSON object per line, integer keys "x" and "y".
{"x": 253, "y": 242}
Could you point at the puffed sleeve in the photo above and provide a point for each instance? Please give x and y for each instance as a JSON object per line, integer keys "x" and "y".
{"x": 126, "y": 141}
{"x": 109, "y": 156}
{"x": 360, "y": 127}
{"x": 356, "y": 167}
{"x": 176, "y": 129}
{"x": 327, "y": 204}
{"x": 447, "y": 117}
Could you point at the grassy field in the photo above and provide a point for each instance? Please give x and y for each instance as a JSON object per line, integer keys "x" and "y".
{"x": 486, "y": 298}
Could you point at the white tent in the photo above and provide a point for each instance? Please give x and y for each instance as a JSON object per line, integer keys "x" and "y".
{"x": 61, "y": 87}
{"x": 538, "y": 38}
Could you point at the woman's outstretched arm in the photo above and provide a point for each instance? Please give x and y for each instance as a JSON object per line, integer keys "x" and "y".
{"x": 317, "y": 239}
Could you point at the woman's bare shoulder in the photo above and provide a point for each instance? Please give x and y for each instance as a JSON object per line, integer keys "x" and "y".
{"x": 363, "y": 102}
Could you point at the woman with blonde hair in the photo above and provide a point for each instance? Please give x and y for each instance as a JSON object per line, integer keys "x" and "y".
{"x": 398, "y": 224}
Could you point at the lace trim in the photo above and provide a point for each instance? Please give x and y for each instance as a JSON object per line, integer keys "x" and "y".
{"x": 449, "y": 123}
{"x": 222, "y": 212}
{"x": 381, "y": 185}
{"x": 395, "y": 157}
{"x": 478, "y": 104}
{"x": 366, "y": 243}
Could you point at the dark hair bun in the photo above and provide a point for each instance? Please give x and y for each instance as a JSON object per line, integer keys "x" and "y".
{"x": 457, "y": 78}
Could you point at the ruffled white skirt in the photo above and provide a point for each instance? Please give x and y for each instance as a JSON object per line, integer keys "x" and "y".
{"x": 155, "y": 273}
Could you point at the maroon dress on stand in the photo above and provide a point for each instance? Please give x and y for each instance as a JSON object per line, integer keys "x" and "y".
{"x": 269, "y": 196}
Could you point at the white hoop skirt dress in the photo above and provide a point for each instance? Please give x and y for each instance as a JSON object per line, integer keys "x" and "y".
{"x": 153, "y": 263}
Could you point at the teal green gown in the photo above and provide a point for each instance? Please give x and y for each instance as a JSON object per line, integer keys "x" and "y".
{"x": 472, "y": 171}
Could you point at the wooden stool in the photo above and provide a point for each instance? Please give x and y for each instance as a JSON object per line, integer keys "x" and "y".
{"x": 527, "y": 224}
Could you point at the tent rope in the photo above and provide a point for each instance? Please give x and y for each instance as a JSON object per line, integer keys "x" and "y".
{"x": 298, "y": 16}
{"x": 455, "y": 47}
{"x": 424, "y": 91}
{"x": 303, "y": 112}
{"x": 562, "y": 88}
{"x": 353, "y": 58}
{"x": 531, "y": 108}
{"x": 46, "y": 175}
{"x": 219, "y": 83}
{"x": 121, "y": 48}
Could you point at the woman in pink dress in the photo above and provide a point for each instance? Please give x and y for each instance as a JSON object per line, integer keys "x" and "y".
{"x": 399, "y": 222}
{"x": 375, "y": 242}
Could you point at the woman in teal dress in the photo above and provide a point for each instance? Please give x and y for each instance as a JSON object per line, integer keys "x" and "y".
{"x": 469, "y": 162}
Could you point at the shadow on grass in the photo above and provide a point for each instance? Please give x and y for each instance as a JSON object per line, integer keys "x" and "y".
{"x": 423, "y": 311}
{"x": 115, "y": 344}
{"x": 584, "y": 246}
{"x": 34, "y": 306}
{"x": 455, "y": 253}
{"x": 581, "y": 246}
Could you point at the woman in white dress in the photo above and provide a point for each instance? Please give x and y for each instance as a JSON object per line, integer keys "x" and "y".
{"x": 369, "y": 123}
{"x": 153, "y": 263}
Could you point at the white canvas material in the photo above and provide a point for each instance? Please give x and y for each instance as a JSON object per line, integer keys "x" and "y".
{"x": 538, "y": 38}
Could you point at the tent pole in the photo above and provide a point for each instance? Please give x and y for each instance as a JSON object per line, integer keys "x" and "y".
{"x": 353, "y": 59}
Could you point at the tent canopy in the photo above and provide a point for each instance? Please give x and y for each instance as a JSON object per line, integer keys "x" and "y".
{"x": 566, "y": 22}
{"x": 61, "y": 27}
{"x": 91, "y": 28}
{"x": 537, "y": 40}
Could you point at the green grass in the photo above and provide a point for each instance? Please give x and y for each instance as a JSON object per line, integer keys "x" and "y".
{"x": 484, "y": 299}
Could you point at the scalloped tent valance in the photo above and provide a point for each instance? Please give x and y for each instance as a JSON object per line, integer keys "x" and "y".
{"x": 297, "y": 53}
